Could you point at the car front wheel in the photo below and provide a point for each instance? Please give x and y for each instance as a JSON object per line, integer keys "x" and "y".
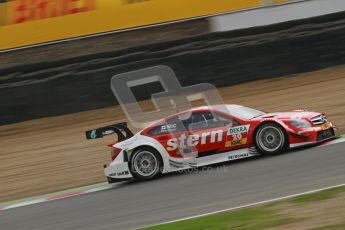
{"x": 271, "y": 139}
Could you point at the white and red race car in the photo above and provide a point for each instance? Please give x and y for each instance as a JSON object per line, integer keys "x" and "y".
{"x": 208, "y": 135}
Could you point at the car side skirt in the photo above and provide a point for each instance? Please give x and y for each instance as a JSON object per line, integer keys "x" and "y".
{"x": 176, "y": 164}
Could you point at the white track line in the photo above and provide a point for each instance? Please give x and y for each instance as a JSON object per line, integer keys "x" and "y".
{"x": 56, "y": 197}
{"x": 249, "y": 205}
{"x": 336, "y": 141}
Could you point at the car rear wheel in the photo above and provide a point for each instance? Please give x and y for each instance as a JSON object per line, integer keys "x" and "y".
{"x": 271, "y": 139}
{"x": 146, "y": 164}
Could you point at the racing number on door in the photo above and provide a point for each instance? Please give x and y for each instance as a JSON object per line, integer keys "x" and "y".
{"x": 237, "y": 136}
{"x": 237, "y": 139}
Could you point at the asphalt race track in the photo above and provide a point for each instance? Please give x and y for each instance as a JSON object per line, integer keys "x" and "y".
{"x": 135, "y": 204}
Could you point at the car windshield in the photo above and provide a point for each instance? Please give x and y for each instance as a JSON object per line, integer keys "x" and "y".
{"x": 245, "y": 113}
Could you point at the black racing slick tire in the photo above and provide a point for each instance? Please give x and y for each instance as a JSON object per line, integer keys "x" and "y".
{"x": 146, "y": 164}
{"x": 271, "y": 139}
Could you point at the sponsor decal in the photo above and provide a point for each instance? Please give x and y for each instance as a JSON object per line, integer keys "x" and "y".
{"x": 237, "y": 135}
{"x": 234, "y": 136}
{"x": 193, "y": 140}
{"x": 93, "y": 134}
{"x": 168, "y": 128}
{"x": 326, "y": 126}
{"x": 29, "y": 10}
{"x": 238, "y": 129}
{"x": 119, "y": 173}
{"x": 238, "y": 156}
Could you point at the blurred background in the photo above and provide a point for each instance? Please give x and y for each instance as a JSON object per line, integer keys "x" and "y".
{"x": 57, "y": 58}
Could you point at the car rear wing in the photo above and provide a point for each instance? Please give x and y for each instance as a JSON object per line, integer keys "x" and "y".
{"x": 120, "y": 129}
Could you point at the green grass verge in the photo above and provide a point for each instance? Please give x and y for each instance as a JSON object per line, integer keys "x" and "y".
{"x": 331, "y": 227}
{"x": 252, "y": 218}
{"x": 323, "y": 195}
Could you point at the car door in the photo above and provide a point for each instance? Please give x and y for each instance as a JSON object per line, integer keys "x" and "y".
{"x": 218, "y": 132}
{"x": 237, "y": 134}
{"x": 209, "y": 131}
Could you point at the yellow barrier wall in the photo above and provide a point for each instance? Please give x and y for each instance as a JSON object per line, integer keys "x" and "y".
{"x": 27, "y": 22}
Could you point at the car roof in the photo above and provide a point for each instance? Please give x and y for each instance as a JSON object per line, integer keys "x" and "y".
{"x": 222, "y": 108}
{"x": 215, "y": 107}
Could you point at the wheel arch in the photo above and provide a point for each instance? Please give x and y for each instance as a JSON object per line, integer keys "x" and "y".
{"x": 282, "y": 126}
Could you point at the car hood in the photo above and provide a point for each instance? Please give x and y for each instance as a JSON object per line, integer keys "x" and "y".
{"x": 289, "y": 115}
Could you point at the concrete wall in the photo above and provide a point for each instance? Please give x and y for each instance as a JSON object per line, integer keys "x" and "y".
{"x": 273, "y": 14}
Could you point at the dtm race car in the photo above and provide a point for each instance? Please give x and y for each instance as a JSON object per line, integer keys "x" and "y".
{"x": 208, "y": 135}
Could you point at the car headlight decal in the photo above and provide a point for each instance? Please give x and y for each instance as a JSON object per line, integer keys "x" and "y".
{"x": 300, "y": 123}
